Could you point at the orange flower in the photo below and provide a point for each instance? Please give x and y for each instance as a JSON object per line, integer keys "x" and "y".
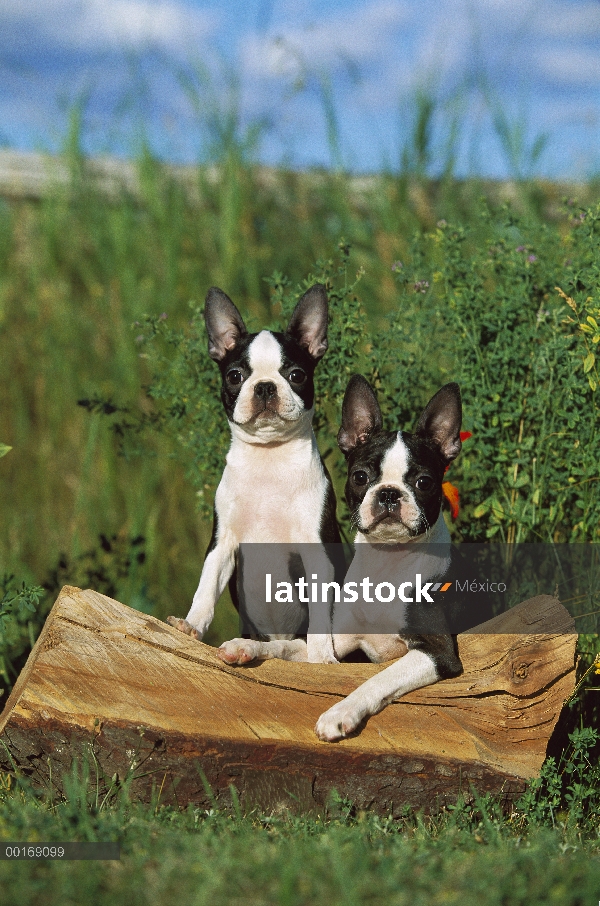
{"x": 450, "y": 492}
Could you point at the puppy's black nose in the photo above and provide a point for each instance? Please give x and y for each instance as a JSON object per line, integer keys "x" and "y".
{"x": 265, "y": 390}
{"x": 388, "y": 497}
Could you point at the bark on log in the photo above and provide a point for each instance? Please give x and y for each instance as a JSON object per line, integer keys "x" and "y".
{"x": 148, "y": 703}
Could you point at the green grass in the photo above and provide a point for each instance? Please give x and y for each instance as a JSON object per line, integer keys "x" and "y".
{"x": 471, "y": 854}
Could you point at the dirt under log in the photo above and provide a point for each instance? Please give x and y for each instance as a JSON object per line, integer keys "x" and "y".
{"x": 142, "y": 701}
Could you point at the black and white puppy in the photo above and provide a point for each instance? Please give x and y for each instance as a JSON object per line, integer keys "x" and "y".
{"x": 275, "y": 488}
{"x": 394, "y": 491}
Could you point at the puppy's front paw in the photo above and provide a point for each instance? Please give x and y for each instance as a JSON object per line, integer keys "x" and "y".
{"x": 338, "y": 722}
{"x": 238, "y": 651}
{"x": 319, "y": 650}
{"x": 185, "y": 627}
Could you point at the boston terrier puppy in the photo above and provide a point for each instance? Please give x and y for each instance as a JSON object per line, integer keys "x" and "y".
{"x": 394, "y": 492}
{"x": 275, "y": 489}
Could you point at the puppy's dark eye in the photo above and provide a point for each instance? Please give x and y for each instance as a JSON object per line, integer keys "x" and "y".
{"x": 235, "y": 377}
{"x": 424, "y": 483}
{"x": 297, "y": 376}
{"x": 360, "y": 477}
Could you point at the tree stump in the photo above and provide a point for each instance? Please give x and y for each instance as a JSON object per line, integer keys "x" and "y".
{"x": 145, "y": 702}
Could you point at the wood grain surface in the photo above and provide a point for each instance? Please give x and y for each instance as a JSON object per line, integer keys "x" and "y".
{"x": 142, "y": 701}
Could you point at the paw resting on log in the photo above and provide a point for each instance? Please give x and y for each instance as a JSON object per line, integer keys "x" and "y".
{"x": 183, "y": 626}
{"x": 239, "y": 651}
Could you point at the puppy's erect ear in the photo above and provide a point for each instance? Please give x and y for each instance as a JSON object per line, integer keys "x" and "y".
{"x": 440, "y": 421}
{"x": 361, "y": 415}
{"x": 224, "y": 323}
{"x": 308, "y": 324}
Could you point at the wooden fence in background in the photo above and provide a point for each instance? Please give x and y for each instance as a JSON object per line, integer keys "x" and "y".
{"x": 27, "y": 175}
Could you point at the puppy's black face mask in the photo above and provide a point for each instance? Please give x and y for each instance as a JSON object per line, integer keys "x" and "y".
{"x": 396, "y": 477}
{"x": 267, "y": 374}
{"x": 422, "y": 478}
{"x": 297, "y": 369}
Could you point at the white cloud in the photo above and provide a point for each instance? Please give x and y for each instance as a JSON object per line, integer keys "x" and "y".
{"x": 101, "y": 25}
{"x": 360, "y": 35}
{"x": 570, "y": 67}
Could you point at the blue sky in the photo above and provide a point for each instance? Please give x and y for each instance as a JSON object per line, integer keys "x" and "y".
{"x": 315, "y": 84}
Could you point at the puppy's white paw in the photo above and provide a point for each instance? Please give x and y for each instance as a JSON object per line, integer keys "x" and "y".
{"x": 338, "y": 722}
{"x": 238, "y": 651}
{"x": 319, "y": 650}
{"x": 185, "y": 627}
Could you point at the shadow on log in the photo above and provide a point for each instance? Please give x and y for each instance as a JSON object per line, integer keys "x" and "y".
{"x": 148, "y": 703}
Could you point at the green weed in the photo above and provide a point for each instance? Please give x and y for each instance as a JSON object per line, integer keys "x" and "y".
{"x": 472, "y": 853}
{"x": 18, "y": 628}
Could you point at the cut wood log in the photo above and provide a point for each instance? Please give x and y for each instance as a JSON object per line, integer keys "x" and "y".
{"x": 148, "y": 703}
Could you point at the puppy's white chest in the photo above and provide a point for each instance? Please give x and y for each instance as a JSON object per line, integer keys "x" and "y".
{"x": 272, "y": 495}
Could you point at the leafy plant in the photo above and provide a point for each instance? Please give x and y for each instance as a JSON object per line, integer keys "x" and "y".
{"x": 587, "y": 316}
{"x": 567, "y": 788}
{"x": 113, "y": 567}
{"x": 17, "y": 606}
{"x": 481, "y": 305}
